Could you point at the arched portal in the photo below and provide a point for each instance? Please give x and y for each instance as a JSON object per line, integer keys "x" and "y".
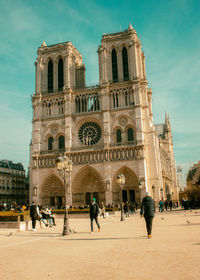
{"x": 52, "y": 192}
{"x": 86, "y": 185}
{"x": 130, "y": 191}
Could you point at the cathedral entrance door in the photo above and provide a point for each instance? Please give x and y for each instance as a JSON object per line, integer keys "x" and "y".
{"x": 88, "y": 198}
{"x": 124, "y": 196}
{"x": 131, "y": 195}
{"x": 52, "y": 200}
{"x": 96, "y": 195}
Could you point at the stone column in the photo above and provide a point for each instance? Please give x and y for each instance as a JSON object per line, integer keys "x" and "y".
{"x": 131, "y": 61}
{"x": 136, "y": 70}
{"x": 67, "y": 72}
{"x": 119, "y": 65}
{"x": 55, "y": 75}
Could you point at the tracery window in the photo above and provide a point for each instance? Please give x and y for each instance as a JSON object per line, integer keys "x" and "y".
{"x": 60, "y": 74}
{"x": 115, "y": 100}
{"x": 130, "y": 135}
{"x": 87, "y": 103}
{"x": 114, "y": 66}
{"x": 89, "y": 133}
{"x": 118, "y": 136}
{"x": 61, "y": 142}
{"x": 50, "y": 76}
{"x": 50, "y": 144}
{"x": 125, "y": 64}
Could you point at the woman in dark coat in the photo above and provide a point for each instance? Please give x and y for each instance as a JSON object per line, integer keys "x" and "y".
{"x": 147, "y": 210}
{"x": 94, "y": 212}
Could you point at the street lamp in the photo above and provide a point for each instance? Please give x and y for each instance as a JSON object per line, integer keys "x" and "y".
{"x": 153, "y": 188}
{"x": 121, "y": 182}
{"x": 161, "y": 190}
{"x": 64, "y": 166}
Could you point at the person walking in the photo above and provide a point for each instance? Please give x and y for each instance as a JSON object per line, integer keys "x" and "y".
{"x": 161, "y": 205}
{"x": 94, "y": 212}
{"x": 147, "y": 210}
{"x": 102, "y": 210}
{"x": 34, "y": 214}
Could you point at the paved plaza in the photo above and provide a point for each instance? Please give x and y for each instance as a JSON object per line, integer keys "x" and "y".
{"x": 121, "y": 251}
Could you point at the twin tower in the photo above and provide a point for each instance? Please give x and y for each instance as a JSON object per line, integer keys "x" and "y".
{"x": 105, "y": 130}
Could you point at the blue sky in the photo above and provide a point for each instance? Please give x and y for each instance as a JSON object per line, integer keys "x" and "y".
{"x": 169, "y": 33}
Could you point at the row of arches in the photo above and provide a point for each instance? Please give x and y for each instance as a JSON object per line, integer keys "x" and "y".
{"x": 50, "y": 70}
{"x": 88, "y": 183}
{"x": 124, "y": 55}
{"x": 87, "y": 102}
{"x": 61, "y": 143}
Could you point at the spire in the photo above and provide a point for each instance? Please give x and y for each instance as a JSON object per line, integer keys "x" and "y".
{"x": 130, "y": 26}
{"x": 43, "y": 44}
{"x": 166, "y": 118}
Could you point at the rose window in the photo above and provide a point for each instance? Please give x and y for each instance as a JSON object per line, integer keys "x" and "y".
{"x": 89, "y": 133}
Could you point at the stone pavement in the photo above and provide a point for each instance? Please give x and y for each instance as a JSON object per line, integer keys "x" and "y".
{"x": 121, "y": 251}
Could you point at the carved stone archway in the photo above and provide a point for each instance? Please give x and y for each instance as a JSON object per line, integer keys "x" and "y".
{"x": 87, "y": 184}
{"x": 131, "y": 188}
{"x": 52, "y": 192}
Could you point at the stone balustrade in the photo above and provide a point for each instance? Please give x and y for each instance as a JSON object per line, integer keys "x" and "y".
{"x": 82, "y": 157}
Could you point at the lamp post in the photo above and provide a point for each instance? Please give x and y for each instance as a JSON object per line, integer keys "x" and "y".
{"x": 153, "y": 188}
{"x": 64, "y": 167}
{"x": 161, "y": 190}
{"x": 121, "y": 182}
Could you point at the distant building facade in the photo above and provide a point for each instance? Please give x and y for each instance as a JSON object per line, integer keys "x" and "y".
{"x": 12, "y": 183}
{"x": 193, "y": 177}
{"x": 105, "y": 130}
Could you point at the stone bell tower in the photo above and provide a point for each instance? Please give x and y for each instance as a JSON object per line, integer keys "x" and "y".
{"x": 105, "y": 130}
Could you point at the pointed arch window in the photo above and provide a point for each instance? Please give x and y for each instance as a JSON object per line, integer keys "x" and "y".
{"x": 114, "y": 66}
{"x": 50, "y": 76}
{"x": 60, "y": 74}
{"x": 118, "y": 136}
{"x": 61, "y": 142}
{"x": 130, "y": 135}
{"x": 50, "y": 144}
{"x": 125, "y": 64}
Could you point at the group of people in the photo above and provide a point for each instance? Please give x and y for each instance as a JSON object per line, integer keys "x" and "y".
{"x": 43, "y": 215}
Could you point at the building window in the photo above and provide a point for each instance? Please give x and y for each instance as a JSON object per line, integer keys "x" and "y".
{"x": 89, "y": 133}
{"x": 61, "y": 143}
{"x": 50, "y": 76}
{"x": 118, "y": 136}
{"x": 114, "y": 66}
{"x": 50, "y": 144}
{"x": 125, "y": 64}
{"x": 130, "y": 135}
{"x": 60, "y": 74}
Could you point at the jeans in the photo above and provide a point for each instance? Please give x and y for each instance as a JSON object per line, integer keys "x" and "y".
{"x": 96, "y": 220}
{"x": 149, "y": 221}
{"x": 33, "y": 222}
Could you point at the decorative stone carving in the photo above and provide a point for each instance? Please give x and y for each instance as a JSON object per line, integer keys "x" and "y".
{"x": 54, "y": 129}
{"x": 122, "y": 121}
{"x": 132, "y": 113}
{"x": 106, "y": 133}
{"x": 113, "y": 116}
{"x": 44, "y": 125}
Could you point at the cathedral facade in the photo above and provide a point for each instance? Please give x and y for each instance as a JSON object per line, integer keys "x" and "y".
{"x": 105, "y": 130}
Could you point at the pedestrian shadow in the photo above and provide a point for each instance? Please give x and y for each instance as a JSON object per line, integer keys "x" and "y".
{"x": 40, "y": 234}
{"x": 104, "y": 238}
{"x": 98, "y": 238}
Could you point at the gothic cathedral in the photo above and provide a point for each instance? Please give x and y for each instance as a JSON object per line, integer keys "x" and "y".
{"x": 105, "y": 130}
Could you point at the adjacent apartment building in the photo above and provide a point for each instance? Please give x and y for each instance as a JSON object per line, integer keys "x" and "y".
{"x": 12, "y": 183}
